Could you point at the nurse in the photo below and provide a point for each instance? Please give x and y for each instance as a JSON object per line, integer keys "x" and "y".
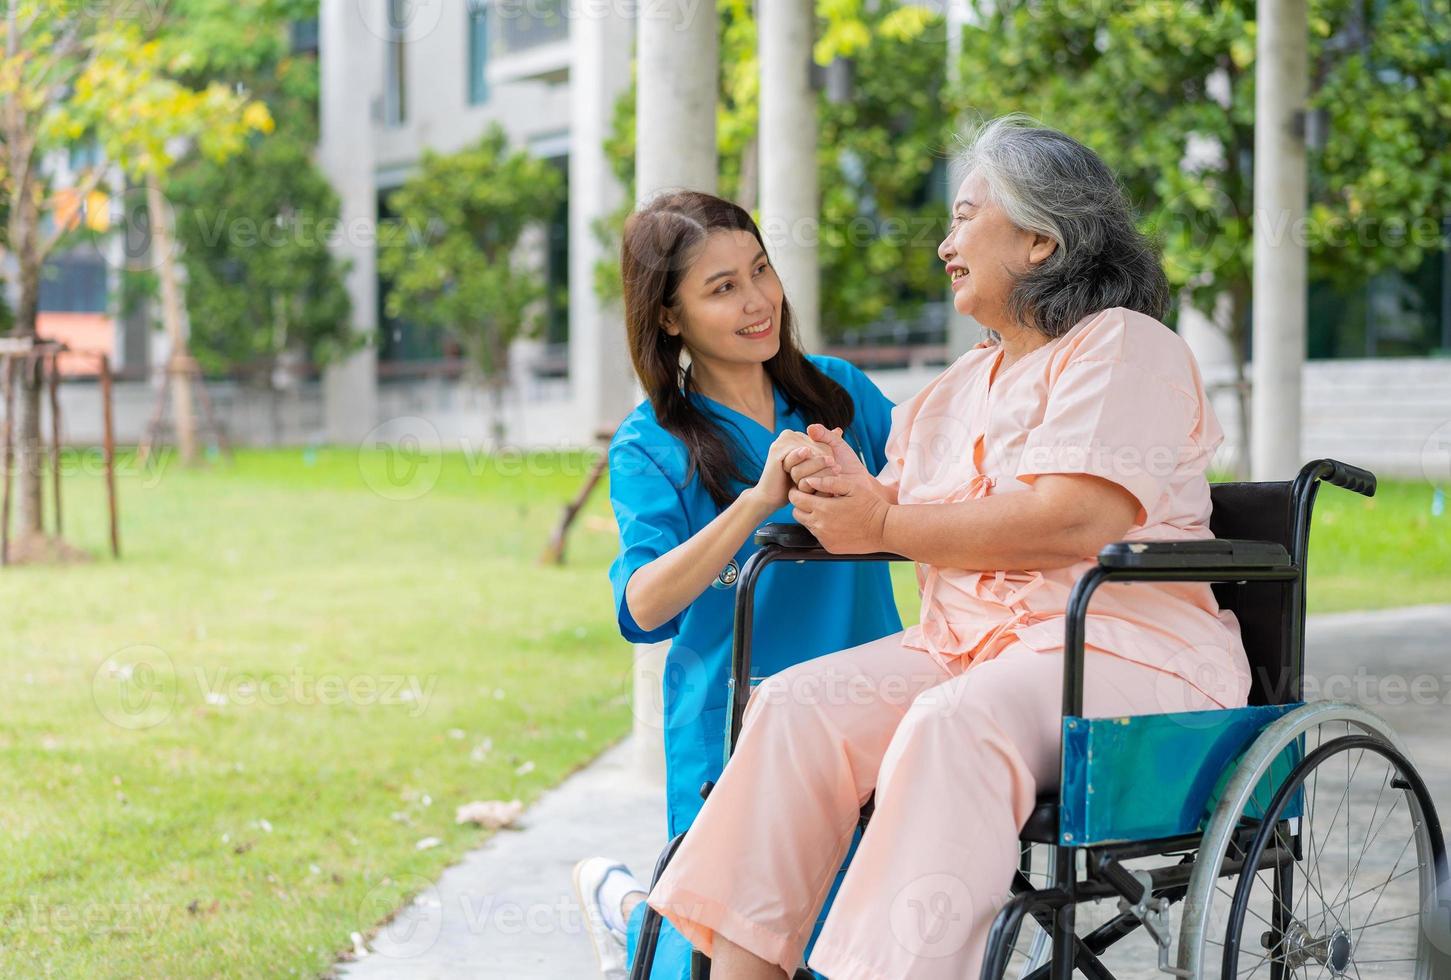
{"x": 694, "y": 471}
{"x": 1083, "y": 421}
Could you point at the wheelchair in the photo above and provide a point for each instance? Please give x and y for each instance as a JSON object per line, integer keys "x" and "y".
{"x": 1226, "y": 806}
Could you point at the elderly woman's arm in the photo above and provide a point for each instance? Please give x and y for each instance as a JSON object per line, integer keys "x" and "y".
{"x": 1060, "y": 520}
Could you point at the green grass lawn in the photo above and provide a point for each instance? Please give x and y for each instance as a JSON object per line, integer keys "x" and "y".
{"x": 277, "y": 586}
{"x": 209, "y": 762}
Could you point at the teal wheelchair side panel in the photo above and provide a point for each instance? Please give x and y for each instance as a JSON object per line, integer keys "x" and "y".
{"x": 1145, "y": 777}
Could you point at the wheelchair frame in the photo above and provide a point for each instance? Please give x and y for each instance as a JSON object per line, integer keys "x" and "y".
{"x": 1144, "y": 896}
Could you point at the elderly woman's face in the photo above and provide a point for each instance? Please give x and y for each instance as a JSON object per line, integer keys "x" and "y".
{"x": 985, "y": 254}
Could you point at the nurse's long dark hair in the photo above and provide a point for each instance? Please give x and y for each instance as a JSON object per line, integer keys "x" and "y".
{"x": 660, "y": 243}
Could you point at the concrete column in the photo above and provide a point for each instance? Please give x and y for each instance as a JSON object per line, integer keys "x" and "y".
{"x": 676, "y": 63}
{"x": 1278, "y": 350}
{"x": 351, "y": 69}
{"x": 963, "y": 332}
{"x": 1208, "y": 338}
{"x": 790, "y": 199}
{"x": 600, "y": 378}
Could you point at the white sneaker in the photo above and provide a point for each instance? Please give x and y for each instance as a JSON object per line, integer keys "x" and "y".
{"x": 606, "y": 931}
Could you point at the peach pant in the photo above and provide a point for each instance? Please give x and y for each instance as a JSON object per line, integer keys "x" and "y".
{"x": 956, "y": 757}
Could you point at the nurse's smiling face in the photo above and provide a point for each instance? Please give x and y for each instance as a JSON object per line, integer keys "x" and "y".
{"x": 985, "y": 254}
{"x": 728, "y": 304}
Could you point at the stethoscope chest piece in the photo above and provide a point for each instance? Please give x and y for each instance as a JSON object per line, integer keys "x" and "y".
{"x": 727, "y": 576}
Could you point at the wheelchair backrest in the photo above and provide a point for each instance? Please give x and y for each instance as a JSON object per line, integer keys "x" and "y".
{"x": 1271, "y": 614}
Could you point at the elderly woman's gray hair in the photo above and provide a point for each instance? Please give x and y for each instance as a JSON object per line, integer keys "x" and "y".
{"x": 1049, "y": 183}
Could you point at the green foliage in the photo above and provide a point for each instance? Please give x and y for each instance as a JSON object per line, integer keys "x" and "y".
{"x": 255, "y": 230}
{"x": 261, "y": 279}
{"x": 881, "y": 219}
{"x": 1165, "y": 92}
{"x": 87, "y": 75}
{"x": 877, "y": 153}
{"x": 127, "y": 97}
{"x": 451, "y": 254}
{"x": 1383, "y": 182}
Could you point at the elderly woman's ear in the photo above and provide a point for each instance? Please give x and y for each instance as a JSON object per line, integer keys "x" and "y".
{"x": 1040, "y": 249}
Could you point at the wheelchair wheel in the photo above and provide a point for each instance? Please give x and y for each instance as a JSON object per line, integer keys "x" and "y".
{"x": 1033, "y": 945}
{"x": 1330, "y": 903}
{"x": 1262, "y": 902}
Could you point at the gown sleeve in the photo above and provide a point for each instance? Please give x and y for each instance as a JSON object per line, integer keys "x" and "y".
{"x": 1120, "y": 421}
{"x": 651, "y": 515}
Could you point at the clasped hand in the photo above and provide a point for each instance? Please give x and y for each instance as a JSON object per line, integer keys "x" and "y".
{"x": 832, "y": 493}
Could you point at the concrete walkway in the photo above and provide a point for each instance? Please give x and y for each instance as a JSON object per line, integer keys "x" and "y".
{"x": 508, "y": 910}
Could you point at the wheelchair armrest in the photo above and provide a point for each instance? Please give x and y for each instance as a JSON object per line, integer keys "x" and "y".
{"x": 786, "y": 535}
{"x": 794, "y": 537}
{"x": 1226, "y": 554}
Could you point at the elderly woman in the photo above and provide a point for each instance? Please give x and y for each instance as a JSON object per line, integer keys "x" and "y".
{"x": 1081, "y": 422}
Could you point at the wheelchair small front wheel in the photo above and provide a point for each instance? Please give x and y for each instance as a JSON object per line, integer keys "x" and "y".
{"x": 1349, "y": 896}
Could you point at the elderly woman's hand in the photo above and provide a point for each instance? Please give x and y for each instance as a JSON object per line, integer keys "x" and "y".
{"x": 775, "y": 480}
{"x": 847, "y": 514}
{"x": 839, "y": 460}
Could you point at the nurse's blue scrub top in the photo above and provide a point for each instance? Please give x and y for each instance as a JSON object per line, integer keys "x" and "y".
{"x": 802, "y": 610}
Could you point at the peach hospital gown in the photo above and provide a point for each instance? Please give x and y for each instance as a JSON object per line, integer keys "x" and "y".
{"x": 957, "y": 755}
{"x": 1119, "y": 397}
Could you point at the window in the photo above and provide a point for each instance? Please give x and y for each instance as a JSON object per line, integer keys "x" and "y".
{"x": 478, "y": 35}
{"x": 74, "y": 283}
{"x": 1395, "y": 314}
{"x": 522, "y": 26}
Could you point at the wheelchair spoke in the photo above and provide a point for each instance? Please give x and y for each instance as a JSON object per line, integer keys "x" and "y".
{"x": 1257, "y": 964}
{"x": 1350, "y": 775}
{"x": 1251, "y": 911}
{"x": 1391, "y": 876}
{"x": 1409, "y": 871}
{"x": 1311, "y": 886}
{"x": 1394, "y": 918}
{"x": 1375, "y": 831}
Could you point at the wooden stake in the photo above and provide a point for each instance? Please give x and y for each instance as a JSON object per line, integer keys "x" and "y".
{"x": 109, "y": 436}
{"x": 55, "y": 437}
{"x": 6, "y": 438}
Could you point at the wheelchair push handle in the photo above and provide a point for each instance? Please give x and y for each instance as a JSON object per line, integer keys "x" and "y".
{"x": 1349, "y": 477}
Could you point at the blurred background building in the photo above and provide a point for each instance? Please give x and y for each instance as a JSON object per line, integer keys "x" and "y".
{"x": 398, "y": 78}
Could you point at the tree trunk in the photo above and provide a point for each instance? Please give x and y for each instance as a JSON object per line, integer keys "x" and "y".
{"x": 30, "y": 453}
{"x": 179, "y": 362}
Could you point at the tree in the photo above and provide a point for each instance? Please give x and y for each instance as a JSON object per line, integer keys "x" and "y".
{"x": 263, "y": 287}
{"x": 452, "y": 256}
{"x": 877, "y": 153}
{"x": 262, "y": 284}
{"x": 76, "y": 73}
{"x": 1165, "y": 92}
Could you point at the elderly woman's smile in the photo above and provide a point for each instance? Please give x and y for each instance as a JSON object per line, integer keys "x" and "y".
{"x": 986, "y": 254}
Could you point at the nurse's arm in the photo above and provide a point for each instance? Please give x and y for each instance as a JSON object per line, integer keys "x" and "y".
{"x": 658, "y": 591}
{"x": 1060, "y": 520}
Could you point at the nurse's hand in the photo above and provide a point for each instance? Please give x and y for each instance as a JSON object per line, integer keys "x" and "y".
{"x": 839, "y": 458}
{"x": 847, "y": 515}
{"x": 770, "y": 491}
